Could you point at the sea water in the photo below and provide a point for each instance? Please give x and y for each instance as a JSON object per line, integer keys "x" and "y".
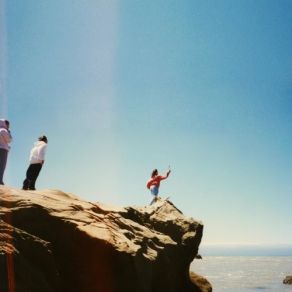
{"x": 245, "y": 273}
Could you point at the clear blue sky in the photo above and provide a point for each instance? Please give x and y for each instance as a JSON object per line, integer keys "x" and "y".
{"x": 122, "y": 87}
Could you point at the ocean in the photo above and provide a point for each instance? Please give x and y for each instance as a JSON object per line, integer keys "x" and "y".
{"x": 245, "y": 273}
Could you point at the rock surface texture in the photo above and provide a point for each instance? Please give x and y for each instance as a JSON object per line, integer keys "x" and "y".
{"x": 288, "y": 280}
{"x": 53, "y": 241}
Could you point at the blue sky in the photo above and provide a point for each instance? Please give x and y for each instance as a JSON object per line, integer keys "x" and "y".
{"x": 122, "y": 87}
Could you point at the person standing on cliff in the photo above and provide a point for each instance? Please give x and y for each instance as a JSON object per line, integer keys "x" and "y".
{"x": 36, "y": 159}
{"x": 5, "y": 139}
{"x": 153, "y": 183}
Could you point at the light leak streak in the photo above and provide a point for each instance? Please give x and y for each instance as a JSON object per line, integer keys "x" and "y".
{"x": 3, "y": 60}
{"x": 9, "y": 273}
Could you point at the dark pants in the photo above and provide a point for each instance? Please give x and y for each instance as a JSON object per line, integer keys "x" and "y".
{"x": 32, "y": 174}
{"x": 3, "y": 160}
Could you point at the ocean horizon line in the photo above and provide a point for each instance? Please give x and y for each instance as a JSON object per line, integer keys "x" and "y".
{"x": 237, "y": 249}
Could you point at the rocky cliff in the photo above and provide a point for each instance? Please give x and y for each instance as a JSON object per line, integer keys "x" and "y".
{"x": 53, "y": 241}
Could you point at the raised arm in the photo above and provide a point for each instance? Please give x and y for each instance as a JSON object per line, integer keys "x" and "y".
{"x": 162, "y": 177}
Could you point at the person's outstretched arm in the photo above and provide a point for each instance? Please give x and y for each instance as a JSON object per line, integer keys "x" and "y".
{"x": 162, "y": 177}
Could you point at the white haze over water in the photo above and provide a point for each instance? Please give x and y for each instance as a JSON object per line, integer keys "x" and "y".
{"x": 245, "y": 273}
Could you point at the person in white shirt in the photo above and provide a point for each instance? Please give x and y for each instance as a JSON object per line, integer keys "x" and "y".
{"x": 5, "y": 139}
{"x": 36, "y": 160}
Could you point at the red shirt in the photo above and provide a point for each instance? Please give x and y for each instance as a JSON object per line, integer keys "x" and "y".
{"x": 155, "y": 181}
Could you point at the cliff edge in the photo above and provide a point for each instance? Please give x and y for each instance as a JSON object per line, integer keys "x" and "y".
{"x": 53, "y": 241}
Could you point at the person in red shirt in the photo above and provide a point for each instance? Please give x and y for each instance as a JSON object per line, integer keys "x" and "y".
{"x": 154, "y": 183}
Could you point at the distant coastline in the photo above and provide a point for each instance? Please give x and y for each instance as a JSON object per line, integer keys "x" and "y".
{"x": 246, "y": 250}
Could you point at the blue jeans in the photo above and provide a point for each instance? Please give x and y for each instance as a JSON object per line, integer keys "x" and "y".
{"x": 154, "y": 191}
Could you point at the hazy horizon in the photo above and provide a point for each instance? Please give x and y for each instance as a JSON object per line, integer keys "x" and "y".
{"x": 247, "y": 249}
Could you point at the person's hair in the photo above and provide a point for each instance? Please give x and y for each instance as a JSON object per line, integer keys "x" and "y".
{"x": 43, "y": 138}
{"x": 7, "y": 123}
{"x": 154, "y": 172}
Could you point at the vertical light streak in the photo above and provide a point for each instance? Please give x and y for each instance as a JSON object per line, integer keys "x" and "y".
{"x": 3, "y": 56}
{"x": 3, "y": 113}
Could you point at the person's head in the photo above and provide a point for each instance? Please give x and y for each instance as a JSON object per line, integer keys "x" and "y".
{"x": 154, "y": 172}
{"x": 4, "y": 123}
{"x": 43, "y": 138}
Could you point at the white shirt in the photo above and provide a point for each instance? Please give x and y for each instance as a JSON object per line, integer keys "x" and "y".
{"x": 37, "y": 153}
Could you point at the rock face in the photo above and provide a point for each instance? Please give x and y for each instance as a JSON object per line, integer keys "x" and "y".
{"x": 288, "y": 280}
{"x": 52, "y": 241}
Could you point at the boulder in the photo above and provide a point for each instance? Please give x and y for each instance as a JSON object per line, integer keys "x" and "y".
{"x": 288, "y": 280}
{"x": 200, "y": 282}
{"x": 54, "y": 241}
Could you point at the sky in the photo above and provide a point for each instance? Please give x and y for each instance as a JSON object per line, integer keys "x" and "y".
{"x": 123, "y": 87}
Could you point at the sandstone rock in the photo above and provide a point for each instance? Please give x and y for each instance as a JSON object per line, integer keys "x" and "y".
{"x": 27, "y": 263}
{"x": 288, "y": 280}
{"x": 200, "y": 282}
{"x": 53, "y": 241}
